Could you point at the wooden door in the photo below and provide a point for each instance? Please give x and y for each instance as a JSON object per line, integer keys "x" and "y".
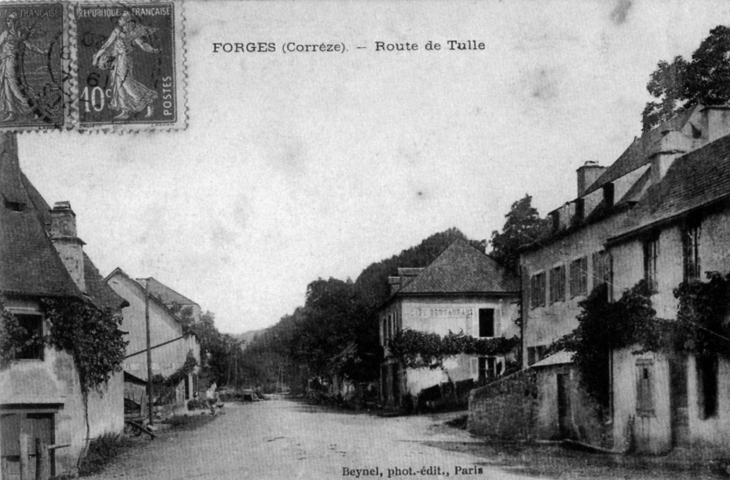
{"x": 37, "y": 425}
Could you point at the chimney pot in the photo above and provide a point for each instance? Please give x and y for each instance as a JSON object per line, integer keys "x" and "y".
{"x": 587, "y": 175}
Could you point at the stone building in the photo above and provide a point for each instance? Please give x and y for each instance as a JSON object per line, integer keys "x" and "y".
{"x": 171, "y": 341}
{"x": 42, "y": 257}
{"x": 677, "y": 232}
{"x": 462, "y": 290}
{"x": 581, "y": 253}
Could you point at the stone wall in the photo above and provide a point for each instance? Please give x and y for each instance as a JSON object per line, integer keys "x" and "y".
{"x": 505, "y": 408}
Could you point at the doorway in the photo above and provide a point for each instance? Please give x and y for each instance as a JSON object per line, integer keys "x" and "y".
{"x": 564, "y": 421}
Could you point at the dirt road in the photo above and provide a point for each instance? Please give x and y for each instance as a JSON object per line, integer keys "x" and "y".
{"x": 281, "y": 440}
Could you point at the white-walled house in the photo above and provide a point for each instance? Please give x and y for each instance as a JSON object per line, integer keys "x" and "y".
{"x": 626, "y": 220}
{"x": 171, "y": 341}
{"x": 679, "y": 231}
{"x": 462, "y": 290}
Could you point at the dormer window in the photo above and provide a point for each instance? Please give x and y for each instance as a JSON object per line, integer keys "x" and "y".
{"x": 608, "y": 193}
{"x": 555, "y": 216}
{"x": 580, "y": 209}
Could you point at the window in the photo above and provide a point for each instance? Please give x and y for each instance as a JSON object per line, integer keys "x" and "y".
{"x": 579, "y": 277}
{"x": 487, "y": 368}
{"x": 535, "y": 354}
{"x": 557, "y": 284}
{"x": 691, "y": 251}
{"x": 707, "y": 385}
{"x": 644, "y": 388}
{"x": 32, "y": 337}
{"x": 530, "y": 355}
{"x": 651, "y": 257}
{"x": 601, "y": 268}
{"x": 537, "y": 290}
{"x": 486, "y": 322}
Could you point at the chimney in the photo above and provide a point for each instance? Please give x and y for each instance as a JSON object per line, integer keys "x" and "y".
{"x": 68, "y": 245}
{"x": 672, "y": 145}
{"x": 717, "y": 119}
{"x": 587, "y": 175}
{"x": 394, "y": 283}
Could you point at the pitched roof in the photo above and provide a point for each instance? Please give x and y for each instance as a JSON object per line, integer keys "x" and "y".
{"x": 136, "y": 284}
{"x": 165, "y": 293}
{"x": 29, "y": 263}
{"x": 100, "y": 292}
{"x": 694, "y": 180}
{"x": 462, "y": 269}
{"x": 638, "y": 152}
{"x": 558, "y": 358}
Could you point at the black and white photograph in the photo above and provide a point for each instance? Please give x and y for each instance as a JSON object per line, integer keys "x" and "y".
{"x": 364, "y": 239}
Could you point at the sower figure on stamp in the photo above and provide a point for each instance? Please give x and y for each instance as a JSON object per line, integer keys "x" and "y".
{"x": 128, "y": 95}
{"x": 13, "y": 98}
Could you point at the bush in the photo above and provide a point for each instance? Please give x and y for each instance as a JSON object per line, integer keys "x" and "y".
{"x": 101, "y": 451}
{"x": 196, "y": 404}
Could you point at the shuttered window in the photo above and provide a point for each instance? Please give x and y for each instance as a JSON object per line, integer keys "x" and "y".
{"x": 557, "y": 284}
{"x": 579, "y": 277}
{"x": 537, "y": 290}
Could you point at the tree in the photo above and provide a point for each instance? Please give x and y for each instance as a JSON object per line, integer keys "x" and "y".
{"x": 682, "y": 84}
{"x": 214, "y": 348}
{"x": 523, "y": 226}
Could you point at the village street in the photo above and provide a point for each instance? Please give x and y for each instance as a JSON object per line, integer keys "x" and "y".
{"x": 282, "y": 439}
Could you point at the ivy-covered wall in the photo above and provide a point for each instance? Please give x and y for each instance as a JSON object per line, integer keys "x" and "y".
{"x": 657, "y": 431}
{"x": 53, "y": 382}
{"x": 441, "y": 315}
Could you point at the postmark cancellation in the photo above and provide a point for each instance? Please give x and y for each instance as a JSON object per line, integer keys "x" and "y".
{"x": 106, "y": 66}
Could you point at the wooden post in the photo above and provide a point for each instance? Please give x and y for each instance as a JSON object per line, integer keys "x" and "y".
{"x": 24, "y": 465}
{"x": 42, "y": 460}
{"x": 150, "y": 415}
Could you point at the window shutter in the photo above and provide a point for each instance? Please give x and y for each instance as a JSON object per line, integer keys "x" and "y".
{"x": 474, "y": 365}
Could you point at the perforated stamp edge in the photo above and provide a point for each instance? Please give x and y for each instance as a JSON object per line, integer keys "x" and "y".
{"x": 179, "y": 69}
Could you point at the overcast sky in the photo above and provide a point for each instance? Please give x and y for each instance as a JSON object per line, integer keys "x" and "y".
{"x": 299, "y": 166}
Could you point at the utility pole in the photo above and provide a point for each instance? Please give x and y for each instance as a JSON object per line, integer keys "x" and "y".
{"x": 149, "y": 352}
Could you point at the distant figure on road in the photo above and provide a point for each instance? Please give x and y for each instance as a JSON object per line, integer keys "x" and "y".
{"x": 211, "y": 395}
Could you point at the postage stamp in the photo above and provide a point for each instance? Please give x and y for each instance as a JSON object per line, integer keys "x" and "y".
{"x": 34, "y": 76}
{"x": 129, "y": 62}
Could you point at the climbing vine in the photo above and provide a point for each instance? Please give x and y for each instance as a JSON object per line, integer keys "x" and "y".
{"x": 163, "y": 388}
{"x": 415, "y": 349}
{"x": 700, "y": 328}
{"x": 180, "y": 374}
{"x": 90, "y": 334}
